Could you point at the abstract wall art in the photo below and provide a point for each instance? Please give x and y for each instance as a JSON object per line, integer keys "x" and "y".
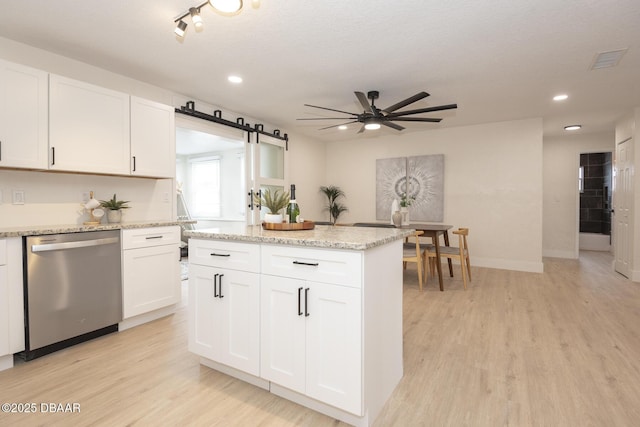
{"x": 420, "y": 177}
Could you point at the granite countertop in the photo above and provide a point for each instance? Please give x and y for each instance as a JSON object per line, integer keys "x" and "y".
{"x": 322, "y": 236}
{"x": 37, "y": 230}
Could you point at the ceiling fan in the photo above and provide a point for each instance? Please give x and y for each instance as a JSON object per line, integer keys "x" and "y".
{"x": 373, "y": 117}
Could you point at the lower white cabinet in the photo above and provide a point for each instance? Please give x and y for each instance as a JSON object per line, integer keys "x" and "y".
{"x": 150, "y": 269}
{"x": 224, "y": 307}
{"x": 311, "y": 339}
{"x": 11, "y": 301}
{"x": 4, "y": 305}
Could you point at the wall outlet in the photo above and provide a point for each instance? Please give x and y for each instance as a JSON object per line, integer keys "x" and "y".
{"x": 165, "y": 197}
{"x": 18, "y": 197}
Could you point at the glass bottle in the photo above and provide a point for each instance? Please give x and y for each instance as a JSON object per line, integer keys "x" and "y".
{"x": 293, "y": 210}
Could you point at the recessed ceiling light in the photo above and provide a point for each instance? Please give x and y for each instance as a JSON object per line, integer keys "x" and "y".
{"x": 342, "y": 127}
{"x": 560, "y": 97}
{"x": 572, "y": 127}
{"x": 235, "y": 79}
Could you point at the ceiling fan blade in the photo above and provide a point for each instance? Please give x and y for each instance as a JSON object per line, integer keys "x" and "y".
{"x": 361, "y": 129}
{"x": 325, "y": 118}
{"x": 392, "y": 125}
{"x": 410, "y": 100}
{"x": 335, "y": 126}
{"x": 416, "y": 119}
{"x": 365, "y": 102}
{"x": 422, "y": 110}
{"x": 330, "y": 109}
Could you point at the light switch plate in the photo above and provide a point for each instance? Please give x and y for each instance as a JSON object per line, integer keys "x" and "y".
{"x": 18, "y": 197}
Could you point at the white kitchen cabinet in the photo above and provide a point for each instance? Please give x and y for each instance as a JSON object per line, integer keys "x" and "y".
{"x": 150, "y": 269}
{"x": 89, "y": 128}
{"x": 153, "y": 143}
{"x": 23, "y": 116}
{"x": 11, "y": 301}
{"x": 224, "y": 317}
{"x": 311, "y": 339}
{"x": 224, "y": 303}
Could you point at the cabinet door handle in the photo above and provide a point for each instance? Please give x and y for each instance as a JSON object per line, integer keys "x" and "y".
{"x": 313, "y": 264}
{"x": 215, "y": 254}
{"x": 53, "y": 156}
{"x": 153, "y": 237}
{"x": 300, "y": 301}
{"x": 306, "y": 302}
{"x": 220, "y": 286}
{"x": 215, "y": 285}
{"x": 134, "y": 163}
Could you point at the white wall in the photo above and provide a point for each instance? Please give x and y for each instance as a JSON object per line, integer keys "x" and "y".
{"x": 561, "y": 203}
{"x": 493, "y": 184}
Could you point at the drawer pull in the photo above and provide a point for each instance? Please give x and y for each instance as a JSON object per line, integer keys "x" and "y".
{"x": 215, "y": 254}
{"x": 153, "y": 237}
{"x": 313, "y": 264}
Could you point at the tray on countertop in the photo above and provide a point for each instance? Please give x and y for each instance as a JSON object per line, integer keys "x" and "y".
{"x": 284, "y": 226}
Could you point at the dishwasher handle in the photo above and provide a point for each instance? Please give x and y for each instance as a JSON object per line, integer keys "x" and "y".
{"x": 73, "y": 245}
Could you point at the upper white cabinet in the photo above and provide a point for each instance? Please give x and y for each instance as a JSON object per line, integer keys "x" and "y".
{"x": 23, "y": 116}
{"x": 153, "y": 139}
{"x": 88, "y": 128}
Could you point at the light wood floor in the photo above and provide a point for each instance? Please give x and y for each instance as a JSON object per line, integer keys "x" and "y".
{"x": 516, "y": 349}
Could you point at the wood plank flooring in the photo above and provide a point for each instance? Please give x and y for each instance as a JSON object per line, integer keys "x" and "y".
{"x": 560, "y": 348}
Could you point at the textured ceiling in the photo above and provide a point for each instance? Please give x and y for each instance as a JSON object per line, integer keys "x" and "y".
{"x": 497, "y": 59}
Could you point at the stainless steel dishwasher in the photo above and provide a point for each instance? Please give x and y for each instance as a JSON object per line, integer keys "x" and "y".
{"x": 72, "y": 289}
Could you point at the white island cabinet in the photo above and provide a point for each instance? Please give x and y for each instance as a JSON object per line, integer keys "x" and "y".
{"x": 319, "y": 313}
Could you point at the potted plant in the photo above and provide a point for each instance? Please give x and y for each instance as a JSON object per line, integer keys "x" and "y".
{"x": 334, "y": 207}
{"x": 405, "y": 202}
{"x": 275, "y": 202}
{"x": 114, "y": 208}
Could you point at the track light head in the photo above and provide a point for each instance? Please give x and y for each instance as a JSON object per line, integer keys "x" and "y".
{"x": 195, "y": 17}
{"x": 180, "y": 28}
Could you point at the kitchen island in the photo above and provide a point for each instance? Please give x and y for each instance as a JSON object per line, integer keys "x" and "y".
{"x": 314, "y": 316}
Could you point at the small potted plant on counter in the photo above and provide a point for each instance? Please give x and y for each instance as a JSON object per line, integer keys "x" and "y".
{"x": 114, "y": 209}
{"x": 275, "y": 202}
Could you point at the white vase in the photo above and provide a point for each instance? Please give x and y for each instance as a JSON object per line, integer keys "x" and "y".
{"x": 114, "y": 216}
{"x": 404, "y": 211}
{"x": 273, "y": 218}
{"x": 397, "y": 218}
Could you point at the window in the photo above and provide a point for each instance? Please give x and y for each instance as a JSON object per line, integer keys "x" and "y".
{"x": 205, "y": 187}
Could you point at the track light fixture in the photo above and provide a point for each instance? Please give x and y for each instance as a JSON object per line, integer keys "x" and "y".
{"x": 222, "y": 6}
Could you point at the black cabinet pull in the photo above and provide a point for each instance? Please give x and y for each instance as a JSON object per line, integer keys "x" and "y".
{"x": 134, "y": 163}
{"x": 215, "y": 254}
{"x": 220, "y": 286}
{"x": 153, "y": 237}
{"x": 306, "y": 302}
{"x": 300, "y": 301}
{"x": 53, "y": 156}
{"x": 215, "y": 285}
{"x": 313, "y": 264}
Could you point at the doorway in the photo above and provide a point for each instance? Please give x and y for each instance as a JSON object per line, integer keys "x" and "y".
{"x": 595, "y": 179}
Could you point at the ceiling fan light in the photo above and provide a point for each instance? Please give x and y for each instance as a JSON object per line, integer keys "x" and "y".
{"x": 226, "y": 6}
{"x": 195, "y": 17}
{"x": 372, "y": 126}
{"x": 180, "y": 28}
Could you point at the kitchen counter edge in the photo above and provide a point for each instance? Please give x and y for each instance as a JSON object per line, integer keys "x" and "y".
{"x": 38, "y": 230}
{"x": 351, "y": 238}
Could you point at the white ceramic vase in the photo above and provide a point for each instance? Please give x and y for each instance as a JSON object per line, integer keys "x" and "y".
{"x": 404, "y": 211}
{"x": 273, "y": 218}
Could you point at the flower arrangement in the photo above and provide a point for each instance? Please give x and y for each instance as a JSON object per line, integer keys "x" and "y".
{"x": 406, "y": 201}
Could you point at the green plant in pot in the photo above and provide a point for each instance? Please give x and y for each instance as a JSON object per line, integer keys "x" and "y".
{"x": 114, "y": 208}
{"x": 274, "y": 201}
{"x": 334, "y": 207}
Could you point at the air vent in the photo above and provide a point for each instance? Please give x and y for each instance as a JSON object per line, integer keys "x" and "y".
{"x": 608, "y": 59}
